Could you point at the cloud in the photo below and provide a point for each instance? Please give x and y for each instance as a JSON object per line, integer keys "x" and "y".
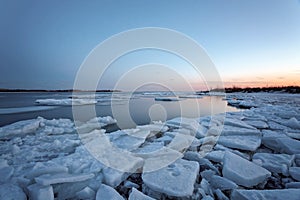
{"x": 260, "y": 78}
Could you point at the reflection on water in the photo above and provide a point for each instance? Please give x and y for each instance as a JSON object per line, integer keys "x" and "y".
{"x": 139, "y": 109}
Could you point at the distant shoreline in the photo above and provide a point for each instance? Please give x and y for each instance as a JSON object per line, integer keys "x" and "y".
{"x": 282, "y": 89}
{"x": 67, "y": 90}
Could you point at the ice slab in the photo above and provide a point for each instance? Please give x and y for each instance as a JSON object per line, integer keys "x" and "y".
{"x": 295, "y": 173}
{"x": 243, "y": 142}
{"x": 39, "y": 192}
{"x": 65, "y": 102}
{"x": 279, "y": 142}
{"x": 215, "y": 156}
{"x": 137, "y": 195}
{"x": 48, "y": 179}
{"x": 10, "y": 191}
{"x": 257, "y": 124}
{"x": 278, "y": 163}
{"x": 176, "y": 180}
{"x": 218, "y": 182}
{"x": 106, "y": 192}
{"x": 291, "y": 194}
{"x": 242, "y": 171}
{"x": 232, "y": 130}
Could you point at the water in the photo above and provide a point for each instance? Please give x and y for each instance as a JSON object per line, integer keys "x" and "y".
{"x": 140, "y": 109}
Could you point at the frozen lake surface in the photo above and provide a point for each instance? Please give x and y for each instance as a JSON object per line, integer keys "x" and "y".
{"x": 249, "y": 154}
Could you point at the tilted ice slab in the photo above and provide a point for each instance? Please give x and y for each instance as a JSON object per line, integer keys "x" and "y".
{"x": 247, "y": 142}
{"x": 233, "y": 130}
{"x": 65, "y": 102}
{"x": 106, "y": 192}
{"x": 137, "y": 195}
{"x": 10, "y": 191}
{"x": 290, "y": 194}
{"x": 278, "y": 163}
{"x": 242, "y": 171}
{"x": 279, "y": 142}
{"x": 177, "y": 179}
{"x": 48, "y": 179}
{"x": 295, "y": 173}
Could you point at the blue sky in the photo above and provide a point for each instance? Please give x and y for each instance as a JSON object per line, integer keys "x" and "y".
{"x": 43, "y": 43}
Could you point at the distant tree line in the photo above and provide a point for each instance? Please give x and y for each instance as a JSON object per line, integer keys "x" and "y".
{"x": 283, "y": 89}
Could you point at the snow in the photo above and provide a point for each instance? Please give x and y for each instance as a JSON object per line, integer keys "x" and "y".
{"x": 65, "y": 102}
{"x": 177, "y": 179}
{"x": 106, "y": 192}
{"x": 242, "y": 171}
{"x": 291, "y": 194}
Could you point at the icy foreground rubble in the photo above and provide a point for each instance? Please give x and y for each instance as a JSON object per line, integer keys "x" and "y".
{"x": 257, "y": 156}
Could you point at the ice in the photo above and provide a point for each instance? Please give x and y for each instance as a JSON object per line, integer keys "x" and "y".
{"x": 127, "y": 142}
{"x": 137, "y": 195}
{"x": 281, "y": 143}
{"x": 203, "y": 162}
{"x": 113, "y": 177}
{"x": 20, "y": 129}
{"x": 167, "y": 99}
{"x": 292, "y": 123}
{"x": 86, "y": 193}
{"x": 292, "y": 185}
{"x": 48, "y": 179}
{"x": 232, "y": 122}
{"x": 242, "y": 171}
{"x": 176, "y": 180}
{"x": 5, "y": 111}
{"x": 6, "y": 173}
{"x": 106, "y": 192}
{"x": 39, "y": 192}
{"x": 218, "y": 182}
{"x": 215, "y": 156}
{"x": 295, "y": 173}
{"x": 190, "y": 96}
{"x": 291, "y": 194}
{"x": 220, "y": 195}
{"x": 257, "y": 124}
{"x": 69, "y": 190}
{"x": 65, "y": 102}
{"x": 45, "y": 168}
{"x": 278, "y": 163}
{"x": 13, "y": 192}
{"x": 232, "y": 130}
{"x": 243, "y": 142}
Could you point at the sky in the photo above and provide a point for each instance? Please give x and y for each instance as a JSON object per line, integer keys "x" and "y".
{"x": 251, "y": 43}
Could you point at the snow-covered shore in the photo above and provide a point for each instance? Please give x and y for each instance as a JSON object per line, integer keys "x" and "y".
{"x": 257, "y": 156}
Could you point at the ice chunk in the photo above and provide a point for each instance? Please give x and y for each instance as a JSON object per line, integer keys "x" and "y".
{"x": 48, "y": 179}
{"x": 124, "y": 141}
{"x": 218, "y": 182}
{"x": 156, "y": 127}
{"x": 106, "y": 192}
{"x": 242, "y": 171}
{"x": 203, "y": 162}
{"x": 231, "y": 130}
{"x": 21, "y": 128}
{"x": 39, "y": 192}
{"x": 237, "y": 123}
{"x": 257, "y": 124}
{"x": 295, "y": 173}
{"x": 279, "y": 142}
{"x": 292, "y": 185}
{"x": 137, "y": 195}
{"x": 215, "y": 156}
{"x": 113, "y": 177}
{"x": 291, "y": 194}
{"x": 86, "y": 193}
{"x": 278, "y": 163}
{"x": 176, "y": 180}
{"x": 13, "y": 192}
{"x": 292, "y": 123}
{"x": 221, "y": 195}
{"x": 65, "y": 102}
{"x": 243, "y": 142}
{"x": 6, "y": 173}
{"x": 45, "y": 168}
{"x": 69, "y": 190}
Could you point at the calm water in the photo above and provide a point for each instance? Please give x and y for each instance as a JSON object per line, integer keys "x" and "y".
{"x": 140, "y": 109}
